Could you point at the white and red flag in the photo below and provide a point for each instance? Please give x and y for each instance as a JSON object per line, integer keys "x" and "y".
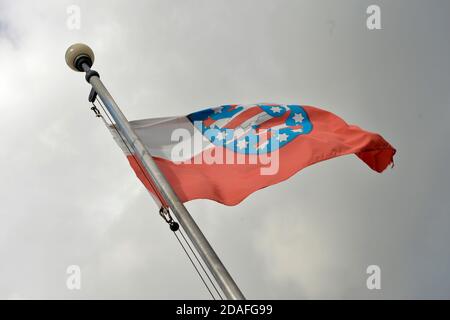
{"x": 226, "y": 153}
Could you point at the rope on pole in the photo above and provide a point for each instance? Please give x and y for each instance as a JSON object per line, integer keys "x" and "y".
{"x": 164, "y": 211}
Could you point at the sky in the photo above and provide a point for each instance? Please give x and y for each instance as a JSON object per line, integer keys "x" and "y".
{"x": 69, "y": 197}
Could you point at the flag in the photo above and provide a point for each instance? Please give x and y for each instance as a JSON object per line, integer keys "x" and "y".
{"x": 226, "y": 153}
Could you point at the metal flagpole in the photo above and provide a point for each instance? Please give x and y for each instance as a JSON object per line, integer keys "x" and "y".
{"x": 80, "y": 57}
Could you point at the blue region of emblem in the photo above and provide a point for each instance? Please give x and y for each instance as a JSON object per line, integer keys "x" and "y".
{"x": 250, "y": 138}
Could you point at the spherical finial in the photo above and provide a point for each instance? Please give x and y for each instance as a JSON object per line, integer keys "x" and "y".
{"x": 77, "y": 54}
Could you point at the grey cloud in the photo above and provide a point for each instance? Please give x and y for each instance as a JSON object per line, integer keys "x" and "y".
{"x": 69, "y": 196}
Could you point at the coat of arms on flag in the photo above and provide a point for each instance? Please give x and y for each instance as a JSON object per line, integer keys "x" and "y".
{"x": 253, "y": 129}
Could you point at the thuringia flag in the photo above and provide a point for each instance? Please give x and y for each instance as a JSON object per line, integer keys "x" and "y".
{"x": 226, "y": 153}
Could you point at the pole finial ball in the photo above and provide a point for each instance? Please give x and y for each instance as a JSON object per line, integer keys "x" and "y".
{"x": 78, "y": 53}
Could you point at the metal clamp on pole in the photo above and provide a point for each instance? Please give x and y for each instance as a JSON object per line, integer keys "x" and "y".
{"x": 80, "y": 57}
{"x": 165, "y": 214}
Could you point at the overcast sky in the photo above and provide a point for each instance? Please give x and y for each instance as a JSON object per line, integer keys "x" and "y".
{"x": 69, "y": 197}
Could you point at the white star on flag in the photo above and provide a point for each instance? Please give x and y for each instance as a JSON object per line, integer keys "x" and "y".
{"x": 298, "y": 117}
{"x": 218, "y": 110}
{"x": 282, "y": 137}
{"x": 276, "y": 109}
{"x": 242, "y": 144}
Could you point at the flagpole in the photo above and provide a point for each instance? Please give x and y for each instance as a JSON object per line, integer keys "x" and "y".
{"x": 80, "y": 57}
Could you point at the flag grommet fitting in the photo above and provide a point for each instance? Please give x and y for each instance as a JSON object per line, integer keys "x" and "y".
{"x": 165, "y": 214}
{"x": 174, "y": 226}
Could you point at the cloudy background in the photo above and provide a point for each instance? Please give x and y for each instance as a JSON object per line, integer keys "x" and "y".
{"x": 68, "y": 195}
